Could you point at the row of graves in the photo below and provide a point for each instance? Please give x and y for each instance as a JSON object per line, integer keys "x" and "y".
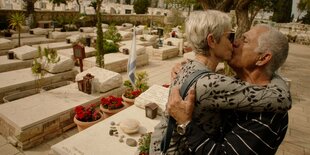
{"x": 295, "y": 32}
{"x": 28, "y": 121}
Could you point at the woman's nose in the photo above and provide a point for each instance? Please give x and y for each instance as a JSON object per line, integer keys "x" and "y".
{"x": 236, "y": 43}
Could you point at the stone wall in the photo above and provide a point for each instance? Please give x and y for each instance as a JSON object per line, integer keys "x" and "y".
{"x": 89, "y": 20}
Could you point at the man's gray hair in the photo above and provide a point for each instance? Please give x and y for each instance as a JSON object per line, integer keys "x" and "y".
{"x": 200, "y": 24}
{"x": 274, "y": 41}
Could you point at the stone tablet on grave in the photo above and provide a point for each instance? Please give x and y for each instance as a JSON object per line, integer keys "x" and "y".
{"x": 125, "y": 35}
{"x": 65, "y": 64}
{"x": 139, "y": 49}
{"x": 25, "y": 52}
{"x": 6, "y": 44}
{"x": 39, "y": 31}
{"x": 156, "y": 94}
{"x": 104, "y": 80}
{"x": 58, "y": 35}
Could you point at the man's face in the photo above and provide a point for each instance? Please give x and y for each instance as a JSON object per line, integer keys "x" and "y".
{"x": 244, "y": 55}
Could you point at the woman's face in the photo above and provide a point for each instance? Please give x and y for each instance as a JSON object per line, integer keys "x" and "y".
{"x": 223, "y": 49}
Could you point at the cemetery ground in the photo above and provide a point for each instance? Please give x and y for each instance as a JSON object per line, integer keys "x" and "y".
{"x": 296, "y": 68}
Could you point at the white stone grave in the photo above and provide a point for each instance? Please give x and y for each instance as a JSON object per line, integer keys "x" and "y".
{"x": 6, "y": 44}
{"x": 64, "y": 64}
{"x": 56, "y": 46}
{"x": 13, "y": 64}
{"x": 104, "y": 80}
{"x": 39, "y": 31}
{"x": 89, "y": 51}
{"x": 156, "y": 94}
{"x": 125, "y": 35}
{"x": 25, "y": 52}
{"x": 23, "y": 79}
{"x": 116, "y": 62}
{"x": 87, "y": 29}
{"x": 32, "y": 120}
{"x": 96, "y": 139}
{"x": 164, "y": 52}
{"x": 139, "y": 49}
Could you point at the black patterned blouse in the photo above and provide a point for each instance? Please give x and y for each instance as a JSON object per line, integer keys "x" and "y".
{"x": 215, "y": 92}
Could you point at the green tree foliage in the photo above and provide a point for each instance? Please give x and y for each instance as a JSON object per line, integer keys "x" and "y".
{"x": 16, "y": 22}
{"x": 282, "y": 11}
{"x": 141, "y": 6}
{"x": 112, "y": 34}
{"x": 306, "y": 18}
{"x": 99, "y": 42}
{"x": 58, "y": 2}
{"x": 303, "y": 5}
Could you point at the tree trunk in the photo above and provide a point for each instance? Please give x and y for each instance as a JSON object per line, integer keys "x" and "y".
{"x": 78, "y": 2}
{"x": 243, "y": 21}
{"x": 19, "y": 36}
{"x": 99, "y": 42}
{"x": 30, "y": 11}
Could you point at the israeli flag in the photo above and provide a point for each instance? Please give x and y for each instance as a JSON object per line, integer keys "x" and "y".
{"x": 131, "y": 66}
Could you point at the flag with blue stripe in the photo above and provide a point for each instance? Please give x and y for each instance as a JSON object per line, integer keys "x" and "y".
{"x": 131, "y": 67}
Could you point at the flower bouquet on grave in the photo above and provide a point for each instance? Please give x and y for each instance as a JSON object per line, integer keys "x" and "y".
{"x": 86, "y": 116}
{"x": 132, "y": 92}
{"x": 111, "y": 105}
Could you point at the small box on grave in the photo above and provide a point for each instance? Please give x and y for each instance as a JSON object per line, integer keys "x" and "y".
{"x": 87, "y": 80}
{"x": 125, "y": 51}
{"x": 81, "y": 85}
{"x": 169, "y": 43}
{"x": 78, "y": 51}
{"x": 10, "y": 55}
{"x": 151, "y": 110}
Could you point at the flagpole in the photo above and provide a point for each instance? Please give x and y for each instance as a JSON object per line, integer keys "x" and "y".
{"x": 131, "y": 66}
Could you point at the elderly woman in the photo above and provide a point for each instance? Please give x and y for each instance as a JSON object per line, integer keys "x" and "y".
{"x": 209, "y": 34}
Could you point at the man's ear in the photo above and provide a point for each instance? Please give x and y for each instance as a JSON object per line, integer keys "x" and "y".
{"x": 211, "y": 40}
{"x": 264, "y": 59}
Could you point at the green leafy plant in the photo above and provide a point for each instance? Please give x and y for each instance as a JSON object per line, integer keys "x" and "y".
{"x": 141, "y": 85}
{"x": 110, "y": 47}
{"x": 144, "y": 143}
{"x": 112, "y": 34}
{"x": 16, "y": 22}
{"x": 41, "y": 64}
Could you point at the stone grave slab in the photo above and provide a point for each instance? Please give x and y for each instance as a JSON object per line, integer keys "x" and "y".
{"x": 39, "y": 31}
{"x": 104, "y": 80}
{"x": 96, "y": 139}
{"x": 89, "y": 51}
{"x": 57, "y": 35}
{"x": 6, "y": 44}
{"x": 165, "y": 52}
{"x": 125, "y": 35}
{"x": 156, "y": 94}
{"x": 25, "y": 52}
{"x": 26, "y": 35}
{"x": 23, "y": 79}
{"x": 117, "y": 62}
{"x": 87, "y": 29}
{"x": 64, "y": 64}
{"x": 139, "y": 49}
{"x": 13, "y": 64}
{"x": 147, "y": 37}
{"x": 32, "y": 120}
{"x": 34, "y": 40}
{"x": 56, "y": 45}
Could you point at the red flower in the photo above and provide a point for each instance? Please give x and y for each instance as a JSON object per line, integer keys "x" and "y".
{"x": 132, "y": 93}
{"x": 87, "y": 114}
{"x": 112, "y": 102}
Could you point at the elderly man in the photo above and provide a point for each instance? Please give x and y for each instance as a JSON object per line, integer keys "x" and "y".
{"x": 256, "y": 57}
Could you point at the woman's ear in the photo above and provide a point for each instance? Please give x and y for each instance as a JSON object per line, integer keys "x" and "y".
{"x": 211, "y": 40}
{"x": 264, "y": 59}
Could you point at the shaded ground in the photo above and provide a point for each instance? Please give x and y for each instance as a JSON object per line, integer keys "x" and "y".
{"x": 297, "y": 68}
